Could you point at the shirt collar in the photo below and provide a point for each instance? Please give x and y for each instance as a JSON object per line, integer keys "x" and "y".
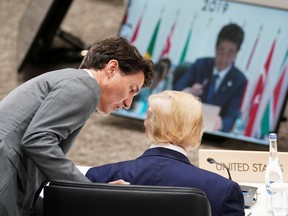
{"x": 169, "y": 146}
{"x": 89, "y": 72}
{"x": 222, "y": 73}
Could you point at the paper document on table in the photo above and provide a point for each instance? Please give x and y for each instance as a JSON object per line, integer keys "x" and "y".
{"x": 210, "y": 115}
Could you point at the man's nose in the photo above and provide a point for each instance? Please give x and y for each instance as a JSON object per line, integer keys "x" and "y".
{"x": 127, "y": 102}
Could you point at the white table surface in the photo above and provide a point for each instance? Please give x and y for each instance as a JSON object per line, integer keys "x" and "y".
{"x": 258, "y": 208}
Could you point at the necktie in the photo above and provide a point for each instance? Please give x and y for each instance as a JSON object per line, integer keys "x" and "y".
{"x": 212, "y": 87}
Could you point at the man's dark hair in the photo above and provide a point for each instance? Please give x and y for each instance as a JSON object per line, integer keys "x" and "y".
{"x": 232, "y": 33}
{"x": 129, "y": 58}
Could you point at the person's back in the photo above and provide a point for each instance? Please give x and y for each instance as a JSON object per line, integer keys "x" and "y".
{"x": 171, "y": 132}
{"x": 165, "y": 167}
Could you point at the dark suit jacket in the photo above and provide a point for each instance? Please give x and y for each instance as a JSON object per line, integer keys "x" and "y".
{"x": 161, "y": 166}
{"x": 229, "y": 94}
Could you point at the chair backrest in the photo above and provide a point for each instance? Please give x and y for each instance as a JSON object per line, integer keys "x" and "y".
{"x": 180, "y": 70}
{"x": 67, "y": 198}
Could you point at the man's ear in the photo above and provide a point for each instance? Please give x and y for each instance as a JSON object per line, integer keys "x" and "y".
{"x": 111, "y": 67}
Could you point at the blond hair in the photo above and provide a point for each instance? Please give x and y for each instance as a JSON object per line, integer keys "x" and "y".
{"x": 174, "y": 117}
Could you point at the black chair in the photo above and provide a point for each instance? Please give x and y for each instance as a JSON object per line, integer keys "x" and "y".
{"x": 179, "y": 71}
{"x": 67, "y": 198}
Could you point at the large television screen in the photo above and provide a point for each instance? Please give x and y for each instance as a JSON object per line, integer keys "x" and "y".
{"x": 181, "y": 37}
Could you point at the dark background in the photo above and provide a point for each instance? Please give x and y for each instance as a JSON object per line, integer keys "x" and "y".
{"x": 103, "y": 139}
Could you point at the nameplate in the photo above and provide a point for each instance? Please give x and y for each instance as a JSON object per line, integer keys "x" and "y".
{"x": 244, "y": 166}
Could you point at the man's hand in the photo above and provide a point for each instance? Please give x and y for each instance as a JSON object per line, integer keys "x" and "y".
{"x": 218, "y": 123}
{"x": 119, "y": 181}
{"x": 196, "y": 89}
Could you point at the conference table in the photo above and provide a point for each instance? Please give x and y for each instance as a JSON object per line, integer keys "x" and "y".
{"x": 258, "y": 208}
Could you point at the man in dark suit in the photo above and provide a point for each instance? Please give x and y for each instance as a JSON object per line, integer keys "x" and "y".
{"x": 216, "y": 80}
{"x": 173, "y": 127}
{"x": 41, "y": 119}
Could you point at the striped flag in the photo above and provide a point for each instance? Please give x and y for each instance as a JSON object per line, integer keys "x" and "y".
{"x": 149, "y": 52}
{"x": 257, "y": 95}
{"x": 279, "y": 92}
{"x": 245, "y": 103}
{"x": 274, "y": 105}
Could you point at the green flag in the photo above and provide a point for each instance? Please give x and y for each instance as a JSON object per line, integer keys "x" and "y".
{"x": 273, "y": 107}
{"x": 184, "y": 52}
{"x": 150, "y": 50}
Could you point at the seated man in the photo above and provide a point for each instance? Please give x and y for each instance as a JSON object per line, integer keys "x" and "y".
{"x": 217, "y": 80}
{"x": 174, "y": 126}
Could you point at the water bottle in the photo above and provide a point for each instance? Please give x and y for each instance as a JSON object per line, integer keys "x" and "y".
{"x": 273, "y": 172}
{"x": 239, "y": 126}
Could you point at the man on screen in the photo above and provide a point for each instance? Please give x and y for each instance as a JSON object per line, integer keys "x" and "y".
{"x": 216, "y": 80}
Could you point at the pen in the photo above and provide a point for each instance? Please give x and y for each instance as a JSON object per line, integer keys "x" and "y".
{"x": 205, "y": 81}
{"x": 249, "y": 214}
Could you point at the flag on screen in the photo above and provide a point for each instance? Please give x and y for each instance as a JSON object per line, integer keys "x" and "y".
{"x": 245, "y": 103}
{"x": 186, "y": 46}
{"x": 125, "y": 17}
{"x": 167, "y": 47}
{"x": 135, "y": 33}
{"x": 257, "y": 95}
{"x": 274, "y": 105}
{"x": 253, "y": 50}
{"x": 279, "y": 90}
{"x": 151, "y": 46}
{"x": 266, "y": 120}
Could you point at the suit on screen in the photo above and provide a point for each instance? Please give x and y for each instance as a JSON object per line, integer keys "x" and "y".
{"x": 229, "y": 94}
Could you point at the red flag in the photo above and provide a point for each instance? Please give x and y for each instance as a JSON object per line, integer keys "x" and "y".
{"x": 167, "y": 47}
{"x": 244, "y": 101}
{"x": 135, "y": 34}
{"x": 257, "y": 95}
{"x": 168, "y": 42}
{"x": 253, "y": 50}
{"x": 252, "y": 53}
{"x": 125, "y": 17}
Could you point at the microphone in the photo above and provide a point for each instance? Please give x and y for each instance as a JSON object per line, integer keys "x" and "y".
{"x": 212, "y": 161}
{"x": 249, "y": 192}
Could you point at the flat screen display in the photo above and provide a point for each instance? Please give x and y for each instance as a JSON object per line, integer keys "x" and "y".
{"x": 180, "y": 36}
